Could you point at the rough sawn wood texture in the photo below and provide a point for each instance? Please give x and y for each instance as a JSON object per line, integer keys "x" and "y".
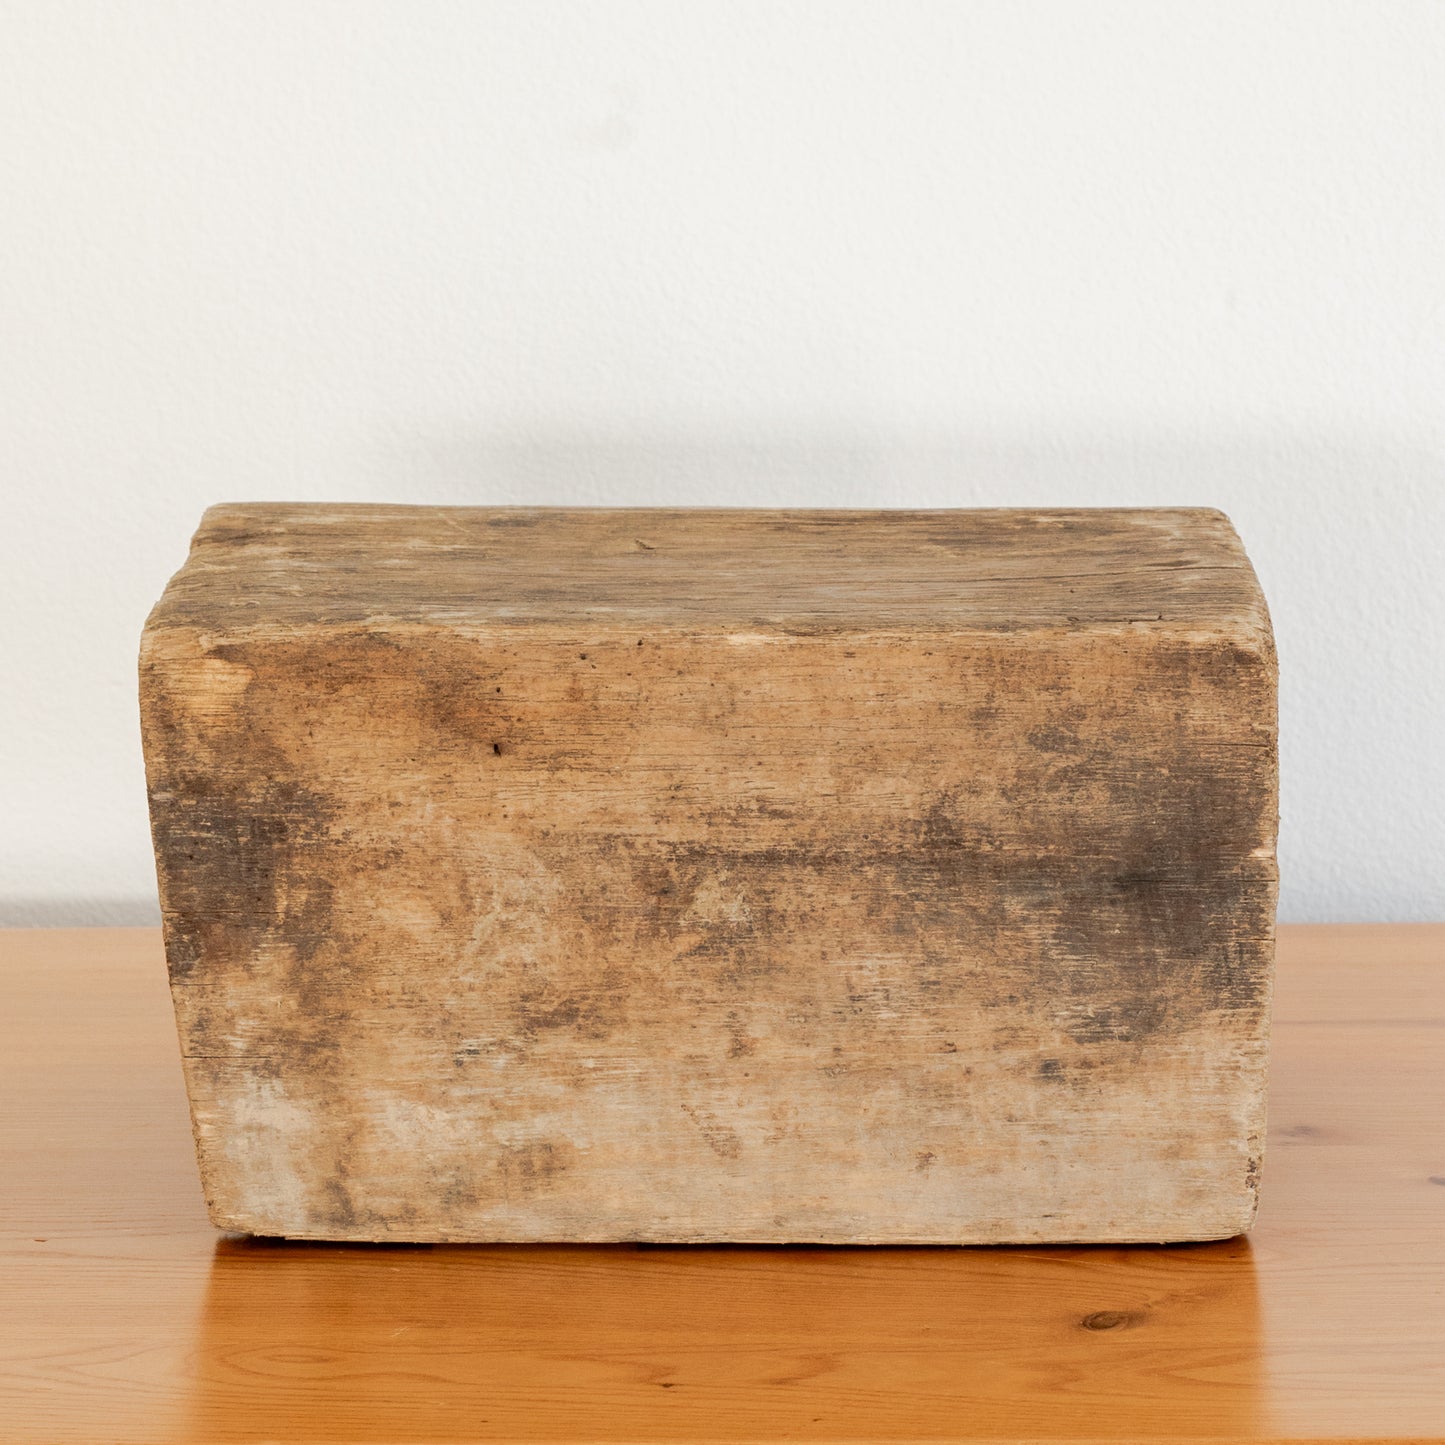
{"x": 718, "y": 875}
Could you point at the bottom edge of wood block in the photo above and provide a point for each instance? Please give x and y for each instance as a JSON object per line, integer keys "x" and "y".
{"x": 1226, "y": 1215}
{"x": 797, "y": 1239}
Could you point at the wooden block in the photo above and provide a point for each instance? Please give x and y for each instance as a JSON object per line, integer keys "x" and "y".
{"x": 718, "y": 875}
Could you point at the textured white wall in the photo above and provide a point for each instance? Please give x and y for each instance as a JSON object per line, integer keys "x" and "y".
{"x": 837, "y": 253}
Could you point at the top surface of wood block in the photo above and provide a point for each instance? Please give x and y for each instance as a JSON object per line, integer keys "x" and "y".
{"x": 285, "y": 565}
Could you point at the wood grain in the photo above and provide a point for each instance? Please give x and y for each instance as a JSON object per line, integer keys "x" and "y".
{"x": 688, "y": 876}
{"x": 125, "y": 1318}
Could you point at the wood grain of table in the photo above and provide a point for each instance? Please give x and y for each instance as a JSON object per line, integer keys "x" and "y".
{"x": 124, "y": 1317}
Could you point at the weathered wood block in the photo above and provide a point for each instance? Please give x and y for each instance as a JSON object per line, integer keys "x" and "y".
{"x": 718, "y": 875}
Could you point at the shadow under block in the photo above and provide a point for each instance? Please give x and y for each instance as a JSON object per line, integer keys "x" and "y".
{"x": 718, "y": 875}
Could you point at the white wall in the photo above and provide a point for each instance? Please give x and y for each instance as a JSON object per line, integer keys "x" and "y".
{"x": 834, "y": 253}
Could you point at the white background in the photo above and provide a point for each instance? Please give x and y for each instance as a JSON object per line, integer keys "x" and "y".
{"x": 853, "y": 254}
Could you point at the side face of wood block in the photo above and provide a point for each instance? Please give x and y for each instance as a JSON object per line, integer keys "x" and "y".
{"x": 603, "y": 875}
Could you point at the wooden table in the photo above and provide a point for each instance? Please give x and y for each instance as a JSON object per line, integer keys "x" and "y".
{"x": 125, "y": 1317}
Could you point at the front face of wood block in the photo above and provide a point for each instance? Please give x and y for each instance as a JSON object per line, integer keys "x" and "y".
{"x": 844, "y": 877}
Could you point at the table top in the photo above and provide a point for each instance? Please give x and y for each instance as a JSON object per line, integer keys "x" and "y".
{"x": 125, "y": 1317}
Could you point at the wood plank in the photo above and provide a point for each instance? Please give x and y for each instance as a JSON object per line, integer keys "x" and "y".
{"x": 125, "y": 1318}
{"x": 577, "y": 875}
